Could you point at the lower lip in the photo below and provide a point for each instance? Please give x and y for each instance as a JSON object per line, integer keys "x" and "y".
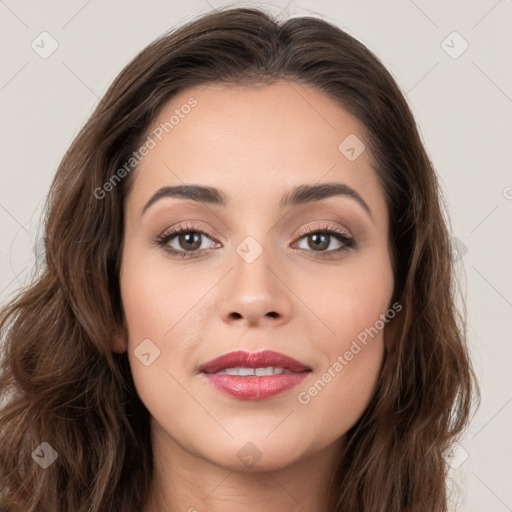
{"x": 254, "y": 387}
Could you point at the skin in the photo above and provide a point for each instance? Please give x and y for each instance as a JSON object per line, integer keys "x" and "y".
{"x": 254, "y": 144}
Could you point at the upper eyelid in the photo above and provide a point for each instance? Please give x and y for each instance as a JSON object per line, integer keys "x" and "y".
{"x": 325, "y": 226}
{"x": 175, "y": 231}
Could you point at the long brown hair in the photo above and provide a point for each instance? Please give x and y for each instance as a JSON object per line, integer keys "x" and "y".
{"x": 62, "y": 384}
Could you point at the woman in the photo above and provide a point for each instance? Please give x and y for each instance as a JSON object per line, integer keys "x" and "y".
{"x": 247, "y": 300}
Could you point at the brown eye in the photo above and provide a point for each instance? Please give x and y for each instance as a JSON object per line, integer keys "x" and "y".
{"x": 326, "y": 240}
{"x": 318, "y": 242}
{"x": 190, "y": 241}
{"x": 185, "y": 241}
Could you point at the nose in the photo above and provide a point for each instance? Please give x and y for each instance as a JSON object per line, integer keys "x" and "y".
{"x": 255, "y": 293}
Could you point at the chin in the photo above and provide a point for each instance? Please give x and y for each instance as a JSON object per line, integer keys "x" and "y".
{"x": 255, "y": 452}
{"x": 250, "y": 458}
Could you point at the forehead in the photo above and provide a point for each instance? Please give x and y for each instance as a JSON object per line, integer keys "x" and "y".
{"x": 252, "y": 141}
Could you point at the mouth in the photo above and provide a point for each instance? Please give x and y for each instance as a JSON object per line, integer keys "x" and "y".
{"x": 254, "y": 375}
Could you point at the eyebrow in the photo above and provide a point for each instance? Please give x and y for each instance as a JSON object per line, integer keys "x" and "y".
{"x": 299, "y": 195}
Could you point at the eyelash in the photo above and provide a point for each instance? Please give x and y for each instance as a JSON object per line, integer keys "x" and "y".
{"x": 341, "y": 235}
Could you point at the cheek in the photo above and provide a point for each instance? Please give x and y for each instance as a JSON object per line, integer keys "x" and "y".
{"x": 356, "y": 308}
{"x": 341, "y": 389}
{"x": 338, "y": 396}
{"x": 158, "y": 299}
{"x": 157, "y": 305}
{"x": 164, "y": 321}
{"x": 351, "y": 300}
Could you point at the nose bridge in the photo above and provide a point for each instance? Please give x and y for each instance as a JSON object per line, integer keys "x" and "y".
{"x": 254, "y": 292}
{"x": 253, "y": 263}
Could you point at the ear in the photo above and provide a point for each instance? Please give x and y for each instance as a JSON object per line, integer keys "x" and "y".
{"x": 118, "y": 344}
{"x": 120, "y": 339}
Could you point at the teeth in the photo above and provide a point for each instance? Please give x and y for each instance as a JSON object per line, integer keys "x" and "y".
{"x": 242, "y": 371}
{"x": 263, "y": 372}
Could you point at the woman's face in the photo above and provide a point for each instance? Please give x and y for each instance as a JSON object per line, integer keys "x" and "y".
{"x": 255, "y": 271}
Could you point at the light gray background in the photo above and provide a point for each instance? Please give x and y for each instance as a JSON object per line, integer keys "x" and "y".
{"x": 462, "y": 106}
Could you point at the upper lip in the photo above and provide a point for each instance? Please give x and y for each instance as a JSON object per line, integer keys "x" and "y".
{"x": 246, "y": 359}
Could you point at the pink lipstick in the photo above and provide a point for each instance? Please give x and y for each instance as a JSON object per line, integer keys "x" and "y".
{"x": 254, "y": 375}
